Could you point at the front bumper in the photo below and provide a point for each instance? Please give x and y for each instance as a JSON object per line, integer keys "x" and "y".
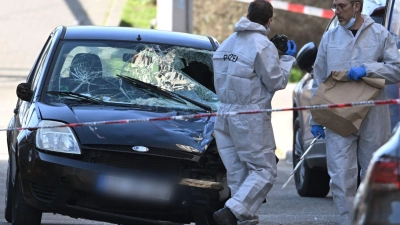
{"x": 67, "y": 186}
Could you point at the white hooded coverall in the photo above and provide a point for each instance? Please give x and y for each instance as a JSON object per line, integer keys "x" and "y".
{"x": 247, "y": 72}
{"x": 374, "y": 48}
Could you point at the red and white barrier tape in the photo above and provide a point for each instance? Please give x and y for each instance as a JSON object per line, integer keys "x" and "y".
{"x": 191, "y": 116}
{"x": 298, "y": 8}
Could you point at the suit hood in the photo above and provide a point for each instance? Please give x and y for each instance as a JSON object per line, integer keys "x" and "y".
{"x": 245, "y": 24}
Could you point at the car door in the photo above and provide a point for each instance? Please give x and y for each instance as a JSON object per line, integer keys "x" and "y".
{"x": 24, "y": 109}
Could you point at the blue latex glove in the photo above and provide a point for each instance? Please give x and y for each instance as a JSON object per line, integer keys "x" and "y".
{"x": 291, "y": 48}
{"x": 318, "y": 129}
{"x": 356, "y": 73}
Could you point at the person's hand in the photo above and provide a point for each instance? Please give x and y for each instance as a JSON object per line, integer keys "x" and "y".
{"x": 318, "y": 129}
{"x": 291, "y": 48}
{"x": 356, "y": 73}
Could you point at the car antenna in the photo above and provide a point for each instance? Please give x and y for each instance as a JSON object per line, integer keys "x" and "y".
{"x": 139, "y": 38}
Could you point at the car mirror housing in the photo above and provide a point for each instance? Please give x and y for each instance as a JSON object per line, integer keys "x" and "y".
{"x": 24, "y": 91}
{"x": 306, "y": 56}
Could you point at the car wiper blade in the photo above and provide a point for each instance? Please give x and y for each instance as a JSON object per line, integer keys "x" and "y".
{"x": 194, "y": 102}
{"x": 168, "y": 94}
{"x": 150, "y": 87}
{"x": 75, "y": 96}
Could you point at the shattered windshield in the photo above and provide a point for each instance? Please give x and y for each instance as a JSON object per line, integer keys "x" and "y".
{"x": 99, "y": 70}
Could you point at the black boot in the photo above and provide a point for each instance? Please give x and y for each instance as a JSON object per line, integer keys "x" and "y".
{"x": 224, "y": 216}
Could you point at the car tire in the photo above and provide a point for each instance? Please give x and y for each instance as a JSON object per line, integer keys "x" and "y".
{"x": 22, "y": 213}
{"x": 210, "y": 219}
{"x": 310, "y": 182}
{"x": 203, "y": 217}
{"x": 8, "y": 196}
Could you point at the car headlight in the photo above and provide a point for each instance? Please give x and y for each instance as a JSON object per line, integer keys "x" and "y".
{"x": 57, "y": 139}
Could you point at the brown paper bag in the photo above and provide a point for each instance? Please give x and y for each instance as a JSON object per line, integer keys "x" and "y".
{"x": 337, "y": 89}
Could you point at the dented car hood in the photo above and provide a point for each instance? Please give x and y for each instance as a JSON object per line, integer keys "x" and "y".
{"x": 189, "y": 135}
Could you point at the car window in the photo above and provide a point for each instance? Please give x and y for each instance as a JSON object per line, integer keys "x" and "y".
{"x": 95, "y": 68}
{"x": 394, "y": 22}
{"x": 36, "y": 74}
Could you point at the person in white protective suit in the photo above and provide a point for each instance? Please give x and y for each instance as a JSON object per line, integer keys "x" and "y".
{"x": 363, "y": 48}
{"x": 247, "y": 72}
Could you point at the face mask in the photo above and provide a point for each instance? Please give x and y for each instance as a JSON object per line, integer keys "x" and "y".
{"x": 268, "y": 29}
{"x": 352, "y": 21}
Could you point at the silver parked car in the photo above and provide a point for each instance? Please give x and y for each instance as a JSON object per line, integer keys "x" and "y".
{"x": 312, "y": 179}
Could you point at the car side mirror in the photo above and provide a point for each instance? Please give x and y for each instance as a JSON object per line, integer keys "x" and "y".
{"x": 24, "y": 91}
{"x": 306, "y": 56}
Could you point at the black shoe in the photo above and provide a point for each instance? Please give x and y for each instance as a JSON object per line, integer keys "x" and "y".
{"x": 224, "y": 216}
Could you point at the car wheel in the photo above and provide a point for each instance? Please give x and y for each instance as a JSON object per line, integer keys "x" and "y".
{"x": 22, "y": 213}
{"x": 8, "y": 197}
{"x": 210, "y": 219}
{"x": 309, "y": 182}
{"x": 203, "y": 218}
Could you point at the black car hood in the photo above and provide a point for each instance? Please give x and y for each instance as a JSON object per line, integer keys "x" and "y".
{"x": 168, "y": 134}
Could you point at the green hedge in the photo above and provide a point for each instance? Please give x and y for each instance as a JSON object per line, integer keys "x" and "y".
{"x": 295, "y": 74}
{"x": 138, "y": 13}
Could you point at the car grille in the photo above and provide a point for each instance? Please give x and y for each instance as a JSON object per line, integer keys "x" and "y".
{"x": 152, "y": 151}
{"x": 135, "y": 161}
{"x": 43, "y": 193}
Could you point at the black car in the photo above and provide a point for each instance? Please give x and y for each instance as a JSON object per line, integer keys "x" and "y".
{"x": 81, "y": 143}
{"x": 312, "y": 178}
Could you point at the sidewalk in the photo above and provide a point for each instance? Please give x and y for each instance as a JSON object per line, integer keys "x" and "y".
{"x": 282, "y": 122}
{"x": 26, "y": 25}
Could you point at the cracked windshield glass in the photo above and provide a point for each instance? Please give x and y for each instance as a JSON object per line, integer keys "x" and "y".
{"x": 137, "y": 74}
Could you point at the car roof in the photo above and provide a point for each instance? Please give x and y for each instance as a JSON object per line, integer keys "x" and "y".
{"x": 137, "y": 34}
